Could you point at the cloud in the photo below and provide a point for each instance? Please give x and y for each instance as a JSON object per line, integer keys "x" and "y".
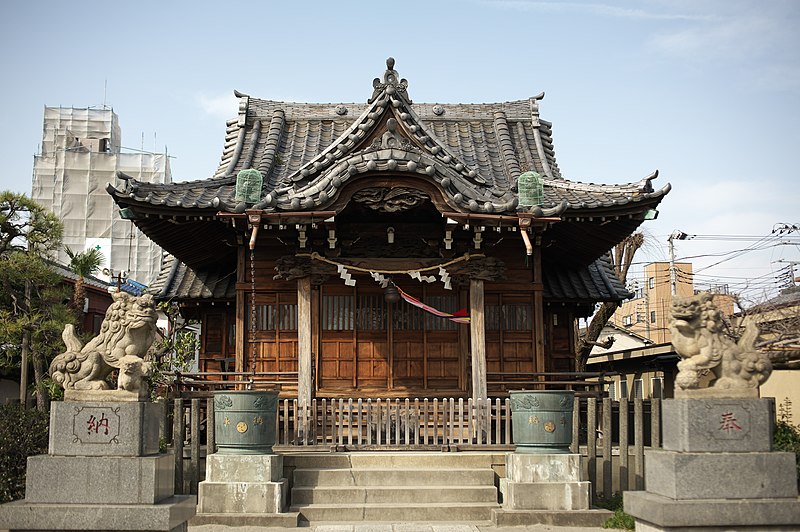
{"x": 221, "y": 106}
{"x": 590, "y": 8}
{"x": 732, "y": 37}
{"x": 734, "y": 31}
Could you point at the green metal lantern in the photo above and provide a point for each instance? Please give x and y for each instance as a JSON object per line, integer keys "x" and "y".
{"x": 531, "y": 189}
{"x": 248, "y": 185}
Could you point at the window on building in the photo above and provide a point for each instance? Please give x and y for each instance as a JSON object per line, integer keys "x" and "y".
{"x": 623, "y": 389}
{"x": 652, "y": 316}
{"x": 638, "y": 389}
{"x": 611, "y": 388}
{"x": 657, "y": 387}
{"x": 651, "y": 282}
{"x": 627, "y": 320}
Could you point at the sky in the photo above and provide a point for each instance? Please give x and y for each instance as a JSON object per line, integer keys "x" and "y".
{"x": 705, "y": 91}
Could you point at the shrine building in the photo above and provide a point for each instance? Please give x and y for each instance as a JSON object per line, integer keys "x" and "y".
{"x": 390, "y": 248}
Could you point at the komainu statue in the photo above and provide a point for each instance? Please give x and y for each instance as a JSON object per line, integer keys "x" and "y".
{"x": 736, "y": 368}
{"x": 126, "y": 334}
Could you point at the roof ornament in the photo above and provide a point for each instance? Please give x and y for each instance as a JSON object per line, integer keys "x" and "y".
{"x": 248, "y": 187}
{"x": 531, "y": 189}
{"x": 392, "y": 83}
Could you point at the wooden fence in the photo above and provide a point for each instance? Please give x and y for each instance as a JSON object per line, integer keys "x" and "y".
{"x": 611, "y": 435}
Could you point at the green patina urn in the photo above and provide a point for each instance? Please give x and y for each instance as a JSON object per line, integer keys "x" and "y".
{"x": 541, "y": 421}
{"x": 244, "y": 421}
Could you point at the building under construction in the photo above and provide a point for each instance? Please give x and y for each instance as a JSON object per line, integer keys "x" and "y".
{"x": 81, "y": 152}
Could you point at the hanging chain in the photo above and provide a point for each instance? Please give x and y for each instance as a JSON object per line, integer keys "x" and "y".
{"x": 252, "y": 318}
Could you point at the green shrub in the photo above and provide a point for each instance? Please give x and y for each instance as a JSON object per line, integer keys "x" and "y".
{"x": 787, "y": 438}
{"x": 23, "y": 433}
{"x": 620, "y": 520}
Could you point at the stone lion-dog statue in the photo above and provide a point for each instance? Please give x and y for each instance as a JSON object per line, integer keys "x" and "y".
{"x": 127, "y": 332}
{"x": 698, "y": 335}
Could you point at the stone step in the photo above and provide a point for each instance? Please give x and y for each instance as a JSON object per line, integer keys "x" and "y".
{"x": 388, "y": 460}
{"x": 395, "y": 494}
{"x": 281, "y": 520}
{"x": 471, "y": 512}
{"x": 594, "y": 517}
{"x": 393, "y": 477}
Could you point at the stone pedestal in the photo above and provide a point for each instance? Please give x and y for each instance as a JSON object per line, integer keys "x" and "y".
{"x": 244, "y": 488}
{"x": 546, "y": 489}
{"x": 102, "y": 472}
{"x": 716, "y": 471}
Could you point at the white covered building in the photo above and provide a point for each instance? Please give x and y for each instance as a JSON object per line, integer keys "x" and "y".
{"x": 81, "y": 152}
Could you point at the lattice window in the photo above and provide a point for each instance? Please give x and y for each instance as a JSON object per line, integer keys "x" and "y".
{"x": 338, "y": 313}
{"x": 371, "y": 313}
{"x": 509, "y": 317}
{"x": 275, "y": 313}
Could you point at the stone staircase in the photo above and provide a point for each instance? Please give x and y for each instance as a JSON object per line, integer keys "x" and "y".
{"x": 417, "y": 486}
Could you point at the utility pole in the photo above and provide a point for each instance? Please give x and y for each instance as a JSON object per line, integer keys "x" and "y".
{"x": 676, "y": 235}
{"x": 792, "y": 279}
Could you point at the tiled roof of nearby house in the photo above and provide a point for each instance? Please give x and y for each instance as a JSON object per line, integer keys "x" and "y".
{"x": 89, "y": 280}
{"x": 789, "y": 297}
{"x": 625, "y": 330}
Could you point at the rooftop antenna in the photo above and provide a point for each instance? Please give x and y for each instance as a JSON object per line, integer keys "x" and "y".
{"x": 105, "y": 91}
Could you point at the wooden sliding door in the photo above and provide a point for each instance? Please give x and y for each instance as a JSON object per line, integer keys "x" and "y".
{"x": 369, "y": 347}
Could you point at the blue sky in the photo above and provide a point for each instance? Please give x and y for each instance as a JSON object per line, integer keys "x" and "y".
{"x": 706, "y": 91}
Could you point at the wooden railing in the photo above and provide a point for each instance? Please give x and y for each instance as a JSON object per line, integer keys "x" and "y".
{"x": 186, "y": 383}
{"x": 611, "y": 435}
{"x": 585, "y": 384}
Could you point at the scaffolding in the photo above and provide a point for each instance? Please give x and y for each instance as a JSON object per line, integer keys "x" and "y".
{"x": 81, "y": 152}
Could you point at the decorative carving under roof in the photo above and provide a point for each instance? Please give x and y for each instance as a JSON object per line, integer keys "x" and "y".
{"x": 390, "y": 199}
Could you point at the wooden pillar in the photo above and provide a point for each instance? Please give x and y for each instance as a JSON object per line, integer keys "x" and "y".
{"x": 304, "y": 382}
{"x": 242, "y": 312}
{"x": 538, "y": 307}
{"x": 477, "y": 329}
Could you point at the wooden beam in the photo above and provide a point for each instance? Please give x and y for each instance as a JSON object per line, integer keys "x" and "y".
{"x": 501, "y": 218}
{"x": 304, "y": 382}
{"x": 477, "y": 328}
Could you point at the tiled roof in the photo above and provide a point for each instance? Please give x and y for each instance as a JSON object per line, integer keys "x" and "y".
{"x": 178, "y": 281}
{"x": 307, "y": 152}
{"x": 596, "y": 282}
{"x": 314, "y": 157}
